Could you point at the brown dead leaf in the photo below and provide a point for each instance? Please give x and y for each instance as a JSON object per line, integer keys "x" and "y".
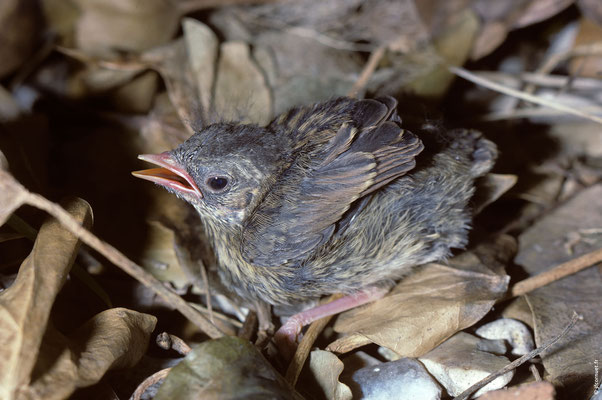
{"x": 137, "y": 95}
{"x": 492, "y": 35}
{"x": 241, "y": 91}
{"x": 105, "y": 26}
{"x": 9, "y": 109}
{"x": 20, "y": 22}
{"x": 115, "y": 338}
{"x": 452, "y": 47}
{"x": 202, "y": 46}
{"x": 424, "y": 309}
{"x": 569, "y": 362}
{"x": 503, "y": 16}
{"x": 539, "y": 10}
{"x": 159, "y": 254}
{"x": 490, "y": 188}
{"x": 589, "y": 33}
{"x": 60, "y": 17}
{"x": 171, "y": 61}
{"x": 592, "y": 9}
{"x": 225, "y": 368}
{"x": 326, "y": 369}
{"x": 25, "y": 306}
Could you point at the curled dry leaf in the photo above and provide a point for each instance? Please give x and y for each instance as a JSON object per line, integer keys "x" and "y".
{"x": 326, "y": 369}
{"x": 115, "y": 338}
{"x": 423, "y": 310}
{"x": 25, "y": 306}
{"x": 490, "y": 188}
{"x": 225, "y": 368}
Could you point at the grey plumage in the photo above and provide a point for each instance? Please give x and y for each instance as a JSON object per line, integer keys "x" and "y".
{"x": 332, "y": 197}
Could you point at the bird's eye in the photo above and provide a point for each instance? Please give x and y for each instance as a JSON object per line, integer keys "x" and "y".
{"x": 217, "y": 183}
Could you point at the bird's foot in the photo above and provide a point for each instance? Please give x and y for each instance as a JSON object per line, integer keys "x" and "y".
{"x": 286, "y": 337}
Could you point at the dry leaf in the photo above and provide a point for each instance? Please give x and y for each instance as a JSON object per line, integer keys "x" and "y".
{"x": 241, "y": 91}
{"x": 12, "y": 193}
{"x": 9, "y": 109}
{"x": 20, "y": 22}
{"x": 589, "y": 33}
{"x": 569, "y": 362}
{"x": 592, "y": 9}
{"x": 326, "y": 369}
{"x": 115, "y": 338}
{"x": 490, "y": 188}
{"x": 226, "y": 368}
{"x": 431, "y": 304}
{"x": 452, "y": 48}
{"x": 423, "y": 310}
{"x": 171, "y": 61}
{"x": 25, "y": 306}
{"x": 202, "y": 46}
{"x": 159, "y": 255}
{"x": 126, "y": 25}
{"x": 538, "y": 10}
{"x": 491, "y": 36}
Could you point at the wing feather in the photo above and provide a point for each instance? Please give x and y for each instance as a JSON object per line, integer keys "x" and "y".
{"x": 302, "y": 210}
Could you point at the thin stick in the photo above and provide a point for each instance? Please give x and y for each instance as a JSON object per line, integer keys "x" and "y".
{"x": 119, "y": 259}
{"x": 368, "y": 70}
{"x": 556, "y": 273}
{"x": 519, "y": 361}
{"x": 521, "y": 95}
{"x": 205, "y": 280}
{"x": 249, "y": 326}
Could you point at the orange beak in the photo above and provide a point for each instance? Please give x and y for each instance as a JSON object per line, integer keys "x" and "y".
{"x": 170, "y": 174}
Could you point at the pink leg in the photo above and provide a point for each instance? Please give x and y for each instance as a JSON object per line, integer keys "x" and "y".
{"x": 286, "y": 337}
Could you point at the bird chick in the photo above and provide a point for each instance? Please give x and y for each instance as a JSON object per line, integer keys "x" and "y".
{"x": 328, "y": 198}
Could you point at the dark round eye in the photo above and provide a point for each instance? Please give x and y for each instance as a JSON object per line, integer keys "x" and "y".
{"x": 217, "y": 183}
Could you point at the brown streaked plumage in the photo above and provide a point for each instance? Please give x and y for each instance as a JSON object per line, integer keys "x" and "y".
{"x": 333, "y": 197}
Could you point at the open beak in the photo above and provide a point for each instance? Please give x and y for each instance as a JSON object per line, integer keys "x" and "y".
{"x": 170, "y": 174}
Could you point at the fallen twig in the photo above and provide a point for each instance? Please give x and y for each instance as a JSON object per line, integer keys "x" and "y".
{"x": 367, "y": 72}
{"x": 560, "y": 271}
{"x": 521, "y": 94}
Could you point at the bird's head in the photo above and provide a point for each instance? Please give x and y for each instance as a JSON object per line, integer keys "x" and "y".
{"x": 221, "y": 170}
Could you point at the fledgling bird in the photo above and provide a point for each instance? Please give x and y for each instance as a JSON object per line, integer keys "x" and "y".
{"x": 333, "y": 197}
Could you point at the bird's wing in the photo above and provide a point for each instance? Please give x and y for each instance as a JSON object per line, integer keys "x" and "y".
{"x": 302, "y": 209}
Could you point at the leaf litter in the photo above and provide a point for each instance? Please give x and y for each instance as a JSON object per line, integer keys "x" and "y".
{"x": 155, "y": 73}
